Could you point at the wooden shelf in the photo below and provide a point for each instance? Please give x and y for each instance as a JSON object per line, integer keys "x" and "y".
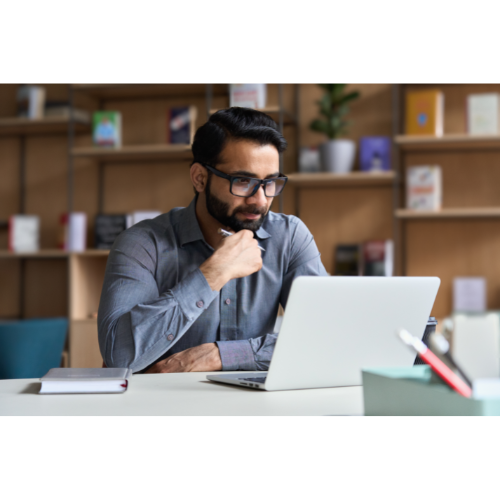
{"x": 142, "y": 152}
{"x": 447, "y": 142}
{"x": 92, "y": 252}
{"x": 118, "y": 91}
{"x": 273, "y": 112}
{"x": 41, "y": 254}
{"x": 49, "y": 125}
{"x": 51, "y": 254}
{"x": 450, "y": 213}
{"x": 353, "y": 179}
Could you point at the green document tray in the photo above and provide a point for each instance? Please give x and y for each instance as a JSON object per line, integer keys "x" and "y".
{"x": 417, "y": 391}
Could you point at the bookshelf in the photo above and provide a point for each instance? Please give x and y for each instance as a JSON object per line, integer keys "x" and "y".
{"x": 325, "y": 179}
{"x": 120, "y": 91}
{"x": 133, "y": 177}
{"x": 453, "y": 142}
{"x": 41, "y": 254}
{"x": 51, "y": 254}
{"x": 43, "y": 126}
{"x": 141, "y": 152}
{"x": 450, "y": 213}
{"x": 146, "y": 173}
{"x": 462, "y": 239}
{"x": 289, "y": 118}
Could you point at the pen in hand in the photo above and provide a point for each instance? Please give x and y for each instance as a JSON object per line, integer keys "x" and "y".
{"x": 227, "y": 233}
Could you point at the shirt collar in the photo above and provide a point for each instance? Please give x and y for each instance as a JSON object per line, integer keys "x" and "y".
{"x": 189, "y": 229}
{"x": 262, "y": 234}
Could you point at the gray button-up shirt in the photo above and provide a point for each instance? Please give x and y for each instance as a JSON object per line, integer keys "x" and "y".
{"x": 156, "y": 302}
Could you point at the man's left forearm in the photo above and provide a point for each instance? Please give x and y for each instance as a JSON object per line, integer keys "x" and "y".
{"x": 202, "y": 358}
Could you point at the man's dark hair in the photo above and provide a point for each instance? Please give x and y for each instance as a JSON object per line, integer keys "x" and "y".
{"x": 234, "y": 124}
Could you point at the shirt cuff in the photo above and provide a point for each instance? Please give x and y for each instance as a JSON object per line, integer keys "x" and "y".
{"x": 236, "y": 355}
{"x": 193, "y": 294}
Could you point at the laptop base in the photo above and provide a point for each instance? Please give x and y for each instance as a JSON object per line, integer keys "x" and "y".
{"x": 253, "y": 380}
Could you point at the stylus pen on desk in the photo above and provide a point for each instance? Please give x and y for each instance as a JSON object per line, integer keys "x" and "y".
{"x": 442, "y": 346}
{"x": 227, "y": 233}
{"x": 435, "y": 363}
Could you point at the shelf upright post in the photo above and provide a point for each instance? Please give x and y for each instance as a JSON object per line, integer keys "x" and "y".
{"x": 22, "y": 210}
{"x": 280, "y": 124}
{"x": 71, "y": 144}
{"x": 208, "y": 96}
{"x": 71, "y": 140}
{"x": 100, "y": 175}
{"x": 100, "y": 200}
{"x": 398, "y": 226}
{"x": 22, "y": 174}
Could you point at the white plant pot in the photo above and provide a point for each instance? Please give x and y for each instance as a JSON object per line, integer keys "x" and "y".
{"x": 338, "y": 155}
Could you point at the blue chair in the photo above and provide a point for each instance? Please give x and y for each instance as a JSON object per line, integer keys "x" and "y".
{"x": 30, "y": 348}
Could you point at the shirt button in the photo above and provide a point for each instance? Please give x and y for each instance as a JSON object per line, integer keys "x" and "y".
{"x": 200, "y": 303}
{"x": 228, "y": 301}
{"x": 170, "y": 337}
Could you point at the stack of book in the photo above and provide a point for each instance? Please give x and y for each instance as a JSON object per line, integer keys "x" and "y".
{"x": 371, "y": 258}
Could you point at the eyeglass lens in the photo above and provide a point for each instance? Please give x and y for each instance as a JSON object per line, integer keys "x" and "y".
{"x": 244, "y": 186}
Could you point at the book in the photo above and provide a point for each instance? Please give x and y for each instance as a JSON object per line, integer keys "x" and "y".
{"x": 107, "y": 228}
{"x": 375, "y": 154}
{"x": 85, "y": 380}
{"x": 424, "y": 188}
{"x": 181, "y": 125}
{"x": 483, "y": 114}
{"x": 378, "y": 258}
{"x": 140, "y": 215}
{"x": 62, "y": 109}
{"x": 248, "y": 95}
{"x": 347, "y": 260}
{"x": 424, "y": 112}
{"x": 73, "y": 232}
{"x": 469, "y": 294}
{"x": 30, "y": 101}
{"x": 24, "y": 233}
{"x": 107, "y": 128}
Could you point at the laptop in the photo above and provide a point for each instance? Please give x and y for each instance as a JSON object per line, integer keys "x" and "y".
{"x": 333, "y": 327}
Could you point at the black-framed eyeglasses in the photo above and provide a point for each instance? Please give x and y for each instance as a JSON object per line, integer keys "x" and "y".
{"x": 248, "y": 186}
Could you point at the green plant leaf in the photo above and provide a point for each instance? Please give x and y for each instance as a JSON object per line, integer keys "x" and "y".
{"x": 319, "y": 126}
{"x": 327, "y": 86}
{"x": 333, "y": 107}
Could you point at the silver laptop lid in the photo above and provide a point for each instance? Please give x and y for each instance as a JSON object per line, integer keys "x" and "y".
{"x": 335, "y": 326}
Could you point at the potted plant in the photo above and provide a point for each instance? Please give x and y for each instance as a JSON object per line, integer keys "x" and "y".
{"x": 337, "y": 155}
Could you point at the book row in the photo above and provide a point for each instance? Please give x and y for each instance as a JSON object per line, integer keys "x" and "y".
{"x": 24, "y": 230}
{"x": 424, "y": 113}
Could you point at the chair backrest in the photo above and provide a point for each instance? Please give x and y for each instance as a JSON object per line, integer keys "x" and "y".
{"x": 30, "y": 348}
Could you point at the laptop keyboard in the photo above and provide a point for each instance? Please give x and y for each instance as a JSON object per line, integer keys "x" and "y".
{"x": 260, "y": 380}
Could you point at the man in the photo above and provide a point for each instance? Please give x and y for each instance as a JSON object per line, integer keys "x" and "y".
{"x": 180, "y": 296}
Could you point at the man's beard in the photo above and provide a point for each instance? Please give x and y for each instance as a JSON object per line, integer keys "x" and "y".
{"x": 220, "y": 210}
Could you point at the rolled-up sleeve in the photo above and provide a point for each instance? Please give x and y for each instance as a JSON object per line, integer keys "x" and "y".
{"x": 136, "y": 323}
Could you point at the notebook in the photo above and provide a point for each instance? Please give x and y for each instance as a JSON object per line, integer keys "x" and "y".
{"x": 85, "y": 380}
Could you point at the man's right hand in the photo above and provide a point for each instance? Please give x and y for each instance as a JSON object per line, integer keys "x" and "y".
{"x": 236, "y": 257}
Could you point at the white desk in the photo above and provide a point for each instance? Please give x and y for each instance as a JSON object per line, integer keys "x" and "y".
{"x": 179, "y": 394}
